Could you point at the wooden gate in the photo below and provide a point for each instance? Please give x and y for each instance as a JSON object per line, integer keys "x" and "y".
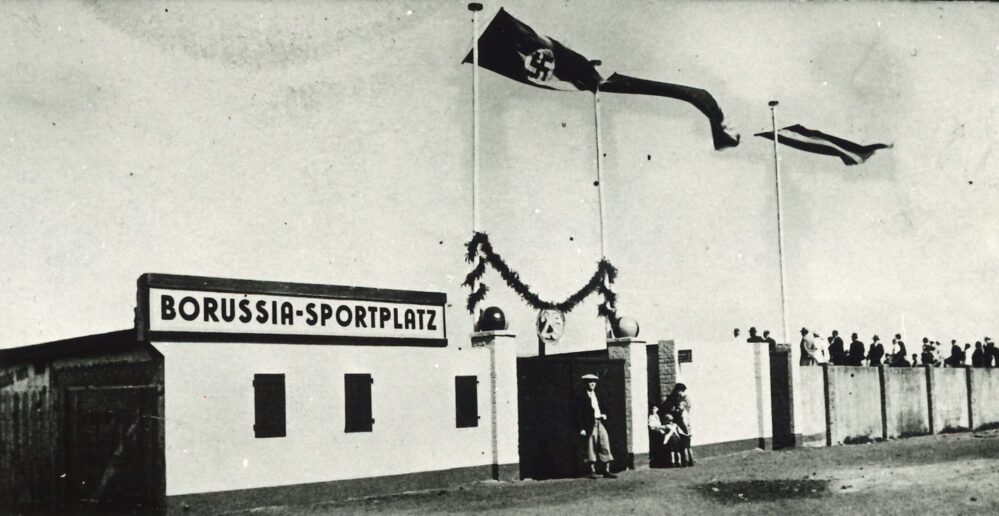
{"x": 113, "y": 447}
{"x": 27, "y": 454}
{"x": 550, "y": 444}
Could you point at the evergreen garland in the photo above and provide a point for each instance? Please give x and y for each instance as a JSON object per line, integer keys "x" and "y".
{"x": 480, "y": 247}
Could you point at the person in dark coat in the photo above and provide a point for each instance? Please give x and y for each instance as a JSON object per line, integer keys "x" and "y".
{"x": 927, "y": 354}
{"x": 978, "y": 356}
{"x": 876, "y": 352}
{"x": 768, "y": 339}
{"x": 990, "y": 353}
{"x": 856, "y": 357}
{"x": 899, "y": 356}
{"x": 753, "y": 337}
{"x": 837, "y": 354}
{"x": 955, "y": 359}
{"x": 590, "y": 416}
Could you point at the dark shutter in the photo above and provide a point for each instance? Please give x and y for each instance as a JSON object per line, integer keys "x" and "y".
{"x": 269, "y": 405}
{"x": 466, "y": 401}
{"x": 357, "y": 394}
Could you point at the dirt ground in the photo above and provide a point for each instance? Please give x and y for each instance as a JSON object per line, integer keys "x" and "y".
{"x": 942, "y": 474}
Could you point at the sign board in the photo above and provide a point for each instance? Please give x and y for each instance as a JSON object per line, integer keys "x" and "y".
{"x": 685, "y": 356}
{"x": 188, "y": 308}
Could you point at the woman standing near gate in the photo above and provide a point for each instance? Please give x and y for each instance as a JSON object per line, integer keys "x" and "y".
{"x": 677, "y": 404}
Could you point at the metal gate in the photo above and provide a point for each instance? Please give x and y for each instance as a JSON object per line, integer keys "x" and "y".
{"x": 550, "y": 444}
{"x": 113, "y": 446}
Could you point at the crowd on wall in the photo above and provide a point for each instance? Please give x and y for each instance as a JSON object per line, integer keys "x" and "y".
{"x": 834, "y": 350}
{"x": 931, "y": 353}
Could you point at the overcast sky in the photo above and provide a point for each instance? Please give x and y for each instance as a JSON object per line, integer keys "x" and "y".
{"x": 327, "y": 142}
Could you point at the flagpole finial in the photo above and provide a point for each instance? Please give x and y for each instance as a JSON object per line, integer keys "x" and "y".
{"x": 772, "y": 103}
{"x": 474, "y": 6}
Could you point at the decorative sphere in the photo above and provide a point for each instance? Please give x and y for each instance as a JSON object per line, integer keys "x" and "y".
{"x": 492, "y": 319}
{"x": 625, "y": 327}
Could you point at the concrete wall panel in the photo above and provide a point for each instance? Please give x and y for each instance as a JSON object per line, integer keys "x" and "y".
{"x": 907, "y": 408}
{"x": 729, "y": 388}
{"x": 855, "y": 403}
{"x": 950, "y": 399}
{"x": 811, "y": 415}
{"x": 984, "y": 396}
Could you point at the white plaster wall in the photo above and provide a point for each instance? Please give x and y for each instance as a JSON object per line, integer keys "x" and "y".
{"x": 727, "y": 403}
{"x": 209, "y": 410}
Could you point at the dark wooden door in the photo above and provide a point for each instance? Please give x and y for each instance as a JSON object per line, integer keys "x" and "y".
{"x": 781, "y": 410}
{"x": 113, "y": 449}
{"x": 550, "y": 444}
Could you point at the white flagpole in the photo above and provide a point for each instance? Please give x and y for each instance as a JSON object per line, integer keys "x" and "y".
{"x": 475, "y": 7}
{"x": 780, "y": 226}
{"x": 600, "y": 180}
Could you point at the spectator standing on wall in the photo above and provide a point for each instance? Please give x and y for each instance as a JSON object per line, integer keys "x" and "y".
{"x": 820, "y": 351}
{"x": 900, "y": 355}
{"x": 978, "y": 356}
{"x": 856, "y": 357}
{"x": 964, "y": 355}
{"x": 808, "y": 349}
{"x": 915, "y": 360}
{"x": 753, "y": 337}
{"x": 876, "y": 353}
{"x": 927, "y": 354}
{"x": 768, "y": 339}
{"x": 955, "y": 359}
{"x": 990, "y": 353}
{"x": 837, "y": 353}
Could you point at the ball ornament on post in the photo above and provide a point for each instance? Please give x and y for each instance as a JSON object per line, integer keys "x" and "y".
{"x": 625, "y": 327}
{"x": 492, "y": 319}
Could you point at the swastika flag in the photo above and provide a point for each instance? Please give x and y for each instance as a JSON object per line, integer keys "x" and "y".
{"x": 511, "y": 48}
{"x": 722, "y": 136}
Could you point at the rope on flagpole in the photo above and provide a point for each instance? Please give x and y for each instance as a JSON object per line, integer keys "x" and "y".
{"x": 780, "y": 226}
{"x": 600, "y": 185}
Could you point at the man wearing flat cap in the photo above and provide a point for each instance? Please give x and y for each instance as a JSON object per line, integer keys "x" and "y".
{"x": 589, "y": 422}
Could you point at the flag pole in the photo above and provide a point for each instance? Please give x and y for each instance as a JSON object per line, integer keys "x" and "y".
{"x": 475, "y": 7}
{"x": 600, "y": 179}
{"x": 780, "y": 226}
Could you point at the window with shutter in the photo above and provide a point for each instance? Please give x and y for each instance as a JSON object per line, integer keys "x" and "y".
{"x": 466, "y": 400}
{"x": 357, "y": 402}
{"x": 269, "y": 405}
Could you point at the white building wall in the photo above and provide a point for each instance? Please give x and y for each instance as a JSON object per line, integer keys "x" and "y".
{"x": 729, "y": 388}
{"x": 209, "y": 411}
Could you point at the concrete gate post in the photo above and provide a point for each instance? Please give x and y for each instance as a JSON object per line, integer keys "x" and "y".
{"x": 504, "y": 418}
{"x": 636, "y": 393}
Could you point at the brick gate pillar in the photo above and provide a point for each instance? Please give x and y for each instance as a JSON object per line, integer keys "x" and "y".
{"x": 636, "y": 385}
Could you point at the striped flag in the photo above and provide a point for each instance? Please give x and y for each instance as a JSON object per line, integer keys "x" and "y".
{"x": 810, "y": 140}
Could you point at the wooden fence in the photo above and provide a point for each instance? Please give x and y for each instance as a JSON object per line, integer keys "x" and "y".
{"x": 28, "y": 477}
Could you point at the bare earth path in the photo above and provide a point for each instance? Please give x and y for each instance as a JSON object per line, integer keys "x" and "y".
{"x": 951, "y": 474}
